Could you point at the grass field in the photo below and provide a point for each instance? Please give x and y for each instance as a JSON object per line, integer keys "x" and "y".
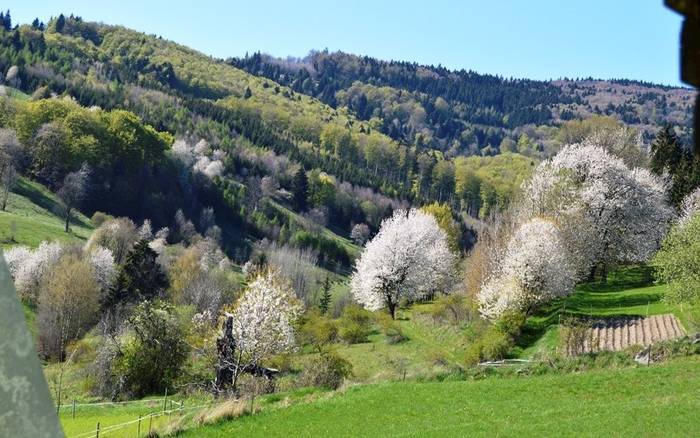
{"x": 30, "y": 218}
{"x": 655, "y": 401}
{"x": 628, "y": 292}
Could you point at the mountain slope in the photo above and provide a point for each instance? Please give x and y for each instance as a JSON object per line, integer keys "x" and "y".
{"x": 465, "y": 111}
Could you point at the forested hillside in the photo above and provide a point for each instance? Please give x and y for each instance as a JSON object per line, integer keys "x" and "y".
{"x": 257, "y": 230}
{"x": 465, "y": 112}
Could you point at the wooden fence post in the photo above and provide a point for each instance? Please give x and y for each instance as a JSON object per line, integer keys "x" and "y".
{"x": 74, "y": 408}
{"x": 165, "y": 400}
{"x": 138, "y": 429}
{"x": 97, "y": 433}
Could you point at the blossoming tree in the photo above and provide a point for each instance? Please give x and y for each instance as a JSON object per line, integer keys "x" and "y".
{"x": 536, "y": 268}
{"x": 408, "y": 258}
{"x": 259, "y": 327}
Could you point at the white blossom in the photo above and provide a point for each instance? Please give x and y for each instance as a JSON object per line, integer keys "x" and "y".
{"x": 104, "y": 269}
{"x": 29, "y": 275}
{"x": 536, "y": 268}
{"x": 689, "y": 206}
{"x": 606, "y": 211}
{"x": 263, "y": 318}
{"x": 16, "y": 257}
{"x": 408, "y": 258}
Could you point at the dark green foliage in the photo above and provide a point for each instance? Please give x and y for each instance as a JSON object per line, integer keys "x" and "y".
{"x": 151, "y": 360}
{"x": 300, "y": 188}
{"x": 141, "y": 277}
{"x": 668, "y": 154}
{"x": 325, "y": 300}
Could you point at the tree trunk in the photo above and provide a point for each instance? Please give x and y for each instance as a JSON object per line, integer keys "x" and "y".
{"x": 67, "y": 218}
{"x": 392, "y": 309}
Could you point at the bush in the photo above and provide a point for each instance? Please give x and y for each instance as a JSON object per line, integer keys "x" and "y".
{"x": 494, "y": 345}
{"x": 317, "y": 330}
{"x": 355, "y": 325}
{"x": 574, "y": 334}
{"x": 98, "y": 218}
{"x": 154, "y": 352}
{"x": 511, "y": 323}
{"x": 327, "y": 370}
{"x": 455, "y": 309}
{"x": 391, "y": 329}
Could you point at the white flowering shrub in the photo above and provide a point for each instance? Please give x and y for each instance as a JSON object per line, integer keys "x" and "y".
{"x": 536, "y": 268}
{"x": 104, "y": 268}
{"x": 16, "y": 257}
{"x": 263, "y": 318}
{"x": 30, "y": 273}
{"x": 408, "y": 258}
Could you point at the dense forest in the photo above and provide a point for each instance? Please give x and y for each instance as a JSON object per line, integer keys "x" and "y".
{"x": 463, "y": 111}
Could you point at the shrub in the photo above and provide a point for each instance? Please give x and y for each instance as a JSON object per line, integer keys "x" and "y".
{"x": 154, "y": 351}
{"x": 317, "y": 330}
{"x": 511, "y": 323}
{"x": 327, "y": 370}
{"x": 98, "y": 218}
{"x": 391, "y": 329}
{"x": 574, "y": 335}
{"x": 493, "y": 345}
{"x": 355, "y": 325}
{"x": 455, "y": 309}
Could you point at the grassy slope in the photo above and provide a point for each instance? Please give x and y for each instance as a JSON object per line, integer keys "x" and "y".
{"x": 32, "y": 209}
{"x": 628, "y": 292}
{"x": 659, "y": 400}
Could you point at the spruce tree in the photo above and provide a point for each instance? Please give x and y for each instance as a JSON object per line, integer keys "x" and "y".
{"x": 140, "y": 278}
{"x": 325, "y": 300}
{"x": 300, "y": 188}
{"x": 60, "y": 23}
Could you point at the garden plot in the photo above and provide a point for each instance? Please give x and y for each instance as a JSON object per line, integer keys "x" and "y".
{"x": 619, "y": 333}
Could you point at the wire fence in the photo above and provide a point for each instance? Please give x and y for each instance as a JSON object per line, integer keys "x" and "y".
{"x": 148, "y": 418}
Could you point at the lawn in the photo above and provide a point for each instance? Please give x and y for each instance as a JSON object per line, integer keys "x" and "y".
{"x": 647, "y": 401}
{"x": 629, "y": 291}
{"x": 31, "y": 217}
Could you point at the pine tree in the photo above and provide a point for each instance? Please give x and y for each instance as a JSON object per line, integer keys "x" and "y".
{"x": 248, "y": 93}
{"x": 139, "y": 278}
{"x": 666, "y": 151}
{"x": 7, "y": 21}
{"x": 60, "y": 23}
{"x": 325, "y": 300}
{"x": 300, "y": 188}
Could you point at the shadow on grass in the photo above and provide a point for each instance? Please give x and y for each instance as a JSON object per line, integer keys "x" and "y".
{"x": 35, "y": 195}
{"x": 590, "y": 300}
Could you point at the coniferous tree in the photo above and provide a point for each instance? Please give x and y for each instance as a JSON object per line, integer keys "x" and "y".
{"x": 666, "y": 150}
{"x": 300, "y": 188}
{"x": 139, "y": 278}
{"x": 7, "y": 21}
{"x": 325, "y": 300}
{"x": 60, "y": 23}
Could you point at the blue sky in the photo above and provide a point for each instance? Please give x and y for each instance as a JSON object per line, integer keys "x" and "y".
{"x": 539, "y": 39}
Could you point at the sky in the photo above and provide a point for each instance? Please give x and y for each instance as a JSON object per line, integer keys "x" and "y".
{"x": 536, "y": 39}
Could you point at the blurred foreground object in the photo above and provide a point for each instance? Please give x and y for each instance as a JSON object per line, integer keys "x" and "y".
{"x": 690, "y": 51}
{"x": 26, "y": 408}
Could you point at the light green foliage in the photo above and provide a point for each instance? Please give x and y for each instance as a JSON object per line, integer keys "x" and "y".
{"x": 485, "y": 183}
{"x": 355, "y": 325}
{"x": 678, "y": 262}
{"x": 443, "y": 216}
